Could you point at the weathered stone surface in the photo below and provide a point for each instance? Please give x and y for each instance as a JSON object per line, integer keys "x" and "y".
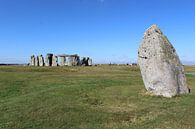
{"x": 90, "y": 62}
{"x": 161, "y": 69}
{"x": 32, "y": 60}
{"x": 83, "y": 61}
{"x": 69, "y": 61}
{"x": 62, "y": 60}
{"x": 54, "y": 61}
{"x": 86, "y": 61}
{"x": 76, "y": 60}
{"x": 37, "y": 61}
{"x": 72, "y": 60}
{"x": 48, "y": 59}
{"x": 41, "y": 60}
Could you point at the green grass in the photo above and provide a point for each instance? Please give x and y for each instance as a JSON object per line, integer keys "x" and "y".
{"x": 102, "y": 97}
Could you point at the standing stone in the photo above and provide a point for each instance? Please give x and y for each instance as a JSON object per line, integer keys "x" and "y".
{"x": 66, "y": 60}
{"x": 54, "y": 61}
{"x": 32, "y": 60}
{"x": 41, "y": 60}
{"x": 62, "y": 60}
{"x": 90, "y": 62}
{"x": 87, "y": 61}
{"x": 161, "y": 69}
{"x": 48, "y": 59}
{"x": 69, "y": 61}
{"x": 37, "y": 61}
{"x": 82, "y": 62}
{"x": 75, "y": 60}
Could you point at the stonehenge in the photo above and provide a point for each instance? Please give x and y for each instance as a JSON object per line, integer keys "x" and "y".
{"x": 161, "y": 69}
{"x": 59, "y": 60}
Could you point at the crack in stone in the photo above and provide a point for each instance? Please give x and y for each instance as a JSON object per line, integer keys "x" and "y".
{"x": 144, "y": 57}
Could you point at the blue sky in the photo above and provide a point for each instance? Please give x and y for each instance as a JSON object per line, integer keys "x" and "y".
{"x": 106, "y": 30}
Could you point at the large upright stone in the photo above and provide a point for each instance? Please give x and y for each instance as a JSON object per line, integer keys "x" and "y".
{"x": 86, "y": 61}
{"x": 161, "y": 69}
{"x": 32, "y": 60}
{"x": 41, "y": 60}
{"x": 48, "y": 59}
{"x": 54, "y": 60}
{"x": 75, "y": 60}
{"x": 90, "y": 62}
{"x": 62, "y": 60}
{"x": 37, "y": 61}
{"x": 83, "y": 61}
{"x": 69, "y": 61}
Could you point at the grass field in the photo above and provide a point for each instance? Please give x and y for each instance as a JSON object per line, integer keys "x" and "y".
{"x": 102, "y": 97}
